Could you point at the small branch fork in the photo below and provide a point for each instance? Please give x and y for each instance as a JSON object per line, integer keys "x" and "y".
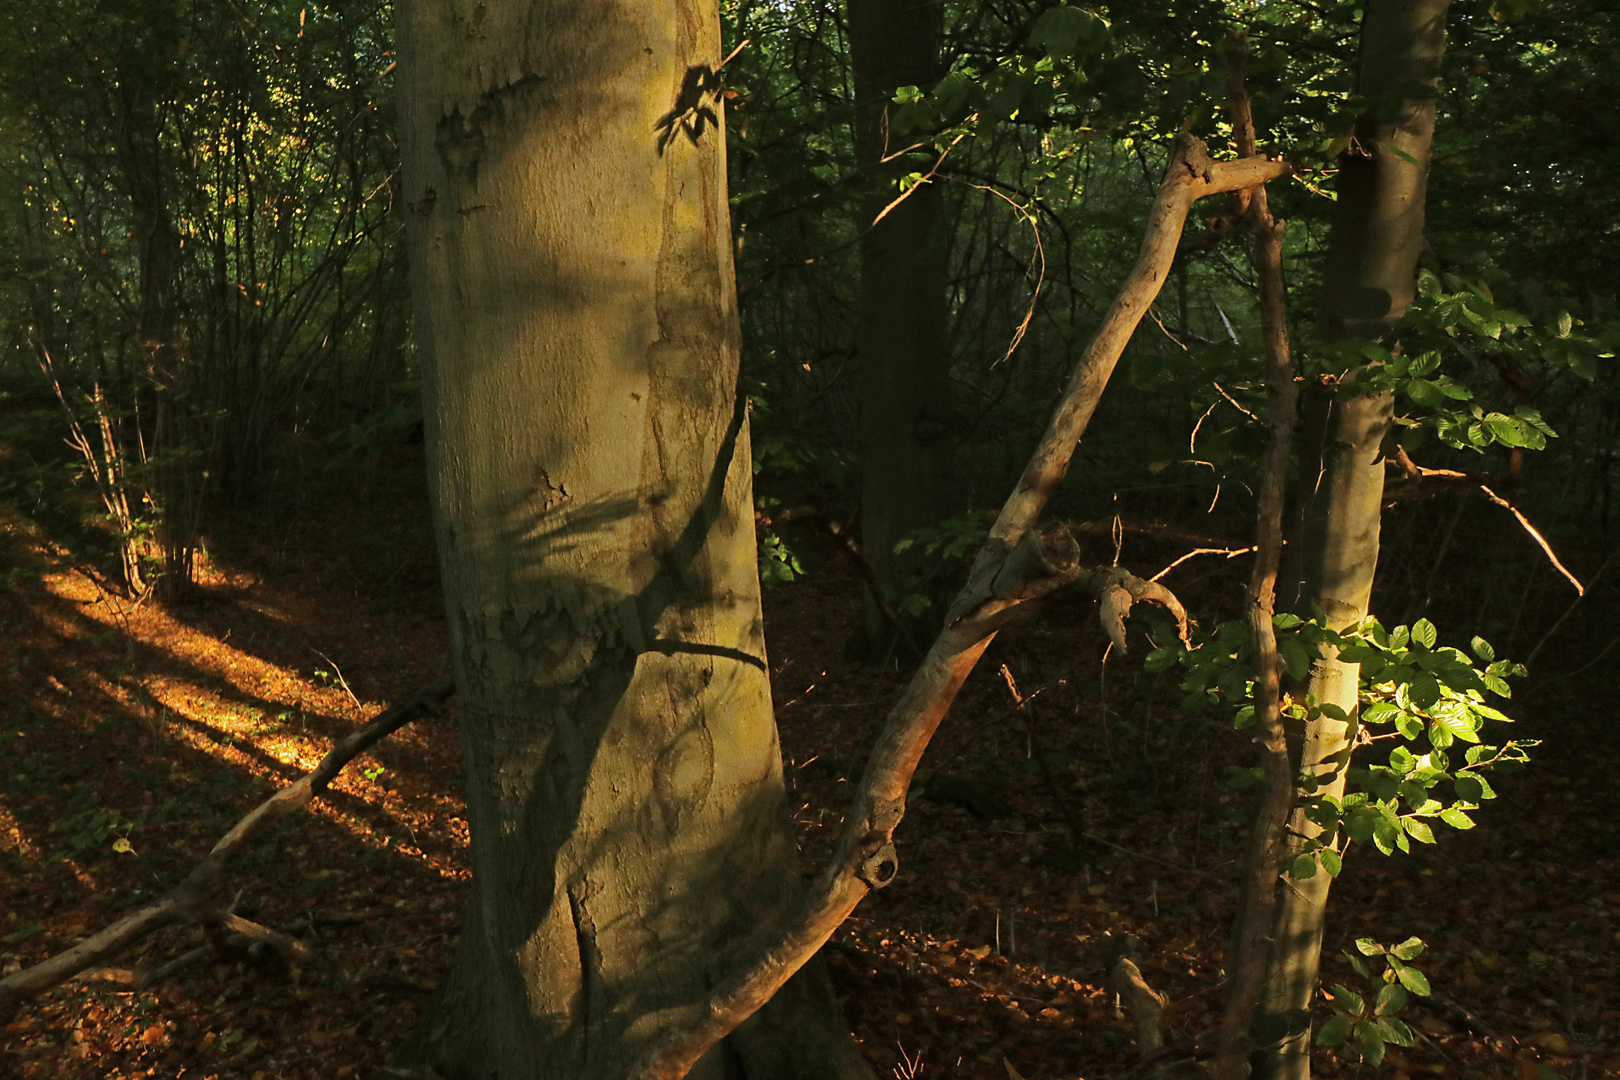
{"x": 1247, "y": 969}
{"x": 1017, "y": 567}
{"x": 193, "y": 899}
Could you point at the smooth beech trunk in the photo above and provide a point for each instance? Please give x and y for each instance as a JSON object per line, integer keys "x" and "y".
{"x": 591, "y": 486}
{"x": 906, "y": 437}
{"x": 1368, "y": 282}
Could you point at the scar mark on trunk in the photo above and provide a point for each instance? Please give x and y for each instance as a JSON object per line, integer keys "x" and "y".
{"x": 590, "y": 960}
{"x": 544, "y": 493}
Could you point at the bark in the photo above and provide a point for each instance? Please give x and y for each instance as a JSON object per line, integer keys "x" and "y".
{"x": 592, "y": 498}
{"x": 1246, "y": 965}
{"x": 901, "y": 312}
{"x": 1016, "y": 568}
{"x": 1369, "y": 280}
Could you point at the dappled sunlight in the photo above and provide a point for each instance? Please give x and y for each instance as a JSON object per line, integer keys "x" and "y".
{"x": 276, "y": 726}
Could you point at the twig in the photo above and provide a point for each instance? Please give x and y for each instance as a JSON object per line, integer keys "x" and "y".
{"x": 1230, "y": 553}
{"x": 339, "y": 673}
{"x": 1530, "y": 660}
{"x": 1417, "y": 474}
{"x": 1536, "y": 536}
{"x": 929, "y": 175}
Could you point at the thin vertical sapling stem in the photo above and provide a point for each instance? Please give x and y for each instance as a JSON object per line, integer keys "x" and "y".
{"x": 1246, "y": 965}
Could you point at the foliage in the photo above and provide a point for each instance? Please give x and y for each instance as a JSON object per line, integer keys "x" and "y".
{"x": 946, "y": 548}
{"x": 1422, "y": 697}
{"x": 1369, "y": 1031}
{"x": 777, "y": 562}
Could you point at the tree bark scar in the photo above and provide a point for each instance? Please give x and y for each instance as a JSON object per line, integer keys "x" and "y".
{"x": 590, "y": 961}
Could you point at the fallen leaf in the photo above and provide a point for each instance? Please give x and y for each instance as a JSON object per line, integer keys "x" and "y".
{"x": 1554, "y": 1041}
{"x": 1012, "y": 1073}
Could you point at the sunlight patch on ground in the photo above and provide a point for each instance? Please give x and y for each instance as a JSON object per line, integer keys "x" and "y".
{"x": 252, "y": 738}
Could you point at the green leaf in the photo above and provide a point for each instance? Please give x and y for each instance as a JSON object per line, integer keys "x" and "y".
{"x": 1244, "y": 718}
{"x": 1456, "y": 719}
{"x": 1060, "y": 30}
{"x": 1410, "y": 949}
{"x": 1303, "y": 866}
{"x": 1454, "y": 817}
{"x": 1335, "y": 1031}
{"x": 1388, "y": 1031}
{"x": 1380, "y": 712}
{"x": 1285, "y": 620}
{"x": 1424, "y": 392}
{"x": 1409, "y": 726}
{"x": 1371, "y": 1046}
{"x": 1413, "y": 980}
{"x": 1332, "y": 862}
{"x": 1161, "y": 659}
{"x": 1346, "y": 1000}
{"x": 1482, "y": 649}
{"x": 1424, "y": 690}
{"x": 1391, "y": 998}
{"x": 1423, "y": 632}
{"x": 1360, "y": 823}
{"x": 1418, "y": 830}
{"x": 1295, "y": 657}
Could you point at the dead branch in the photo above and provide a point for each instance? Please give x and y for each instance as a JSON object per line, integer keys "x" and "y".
{"x": 1015, "y": 568}
{"x": 190, "y": 901}
{"x": 1144, "y": 1005}
{"x": 1419, "y": 476}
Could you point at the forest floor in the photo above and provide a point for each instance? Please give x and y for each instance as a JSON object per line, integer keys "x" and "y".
{"x": 132, "y": 737}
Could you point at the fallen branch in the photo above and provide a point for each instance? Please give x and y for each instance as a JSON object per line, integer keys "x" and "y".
{"x": 140, "y": 979}
{"x": 1016, "y": 568}
{"x": 191, "y": 900}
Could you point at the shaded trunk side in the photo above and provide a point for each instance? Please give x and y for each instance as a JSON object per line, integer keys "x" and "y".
{"x": 592, "y": 496}
{"x": 901, "y": 314}
{"x": 1369, "y": 279}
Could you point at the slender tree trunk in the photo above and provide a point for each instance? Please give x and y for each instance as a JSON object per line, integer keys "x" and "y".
{"x": 1247, "y": 961}
{"x": 592, "y": 498}
{"x": 175, "y": 477}
{"x": 1369, "y": 281}
{"x": 900, "y": 334}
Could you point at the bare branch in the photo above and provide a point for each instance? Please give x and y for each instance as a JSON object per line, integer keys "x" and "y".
{"x": 1014, "y": 569}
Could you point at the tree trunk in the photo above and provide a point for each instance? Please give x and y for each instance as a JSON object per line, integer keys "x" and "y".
{"x": 592, "y": 499}
{"x": 175, "y": 475}
{"x": 1368, "y": 282}
{"x": 900, "y": 333}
